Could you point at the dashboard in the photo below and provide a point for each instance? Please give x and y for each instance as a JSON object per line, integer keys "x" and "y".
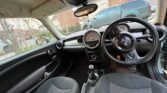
{"x": 90, "y": 39}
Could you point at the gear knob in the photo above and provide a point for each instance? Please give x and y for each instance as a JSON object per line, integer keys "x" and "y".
{"x": 91, "y": 67}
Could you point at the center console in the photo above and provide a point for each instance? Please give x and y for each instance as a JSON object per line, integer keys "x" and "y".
{"x": 93, "y": 77}
{"x": 94, "y": 56}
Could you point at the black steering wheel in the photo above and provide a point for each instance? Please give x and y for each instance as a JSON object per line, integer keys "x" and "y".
{"x": 125, "y": 42}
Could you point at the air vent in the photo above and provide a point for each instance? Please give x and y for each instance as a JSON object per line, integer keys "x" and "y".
{"x": 80, "y": 40}
{"x": 165, "y": 56}
{"x": 59, "y": 44}
{"x": 164, "y": 48}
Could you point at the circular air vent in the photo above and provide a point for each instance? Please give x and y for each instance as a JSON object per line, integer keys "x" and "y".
{"x": 59, "y": 44}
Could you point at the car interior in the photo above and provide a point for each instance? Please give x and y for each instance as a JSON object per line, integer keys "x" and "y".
{"x": 129, "y": 55}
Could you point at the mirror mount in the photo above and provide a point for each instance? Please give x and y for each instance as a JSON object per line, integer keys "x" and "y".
{"x": 85, "y": 4}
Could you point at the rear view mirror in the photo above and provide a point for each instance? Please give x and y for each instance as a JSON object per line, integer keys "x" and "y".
{"x": 85, "y": 10}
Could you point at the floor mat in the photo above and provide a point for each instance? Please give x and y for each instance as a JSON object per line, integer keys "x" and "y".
{"x": 79, "y": 70}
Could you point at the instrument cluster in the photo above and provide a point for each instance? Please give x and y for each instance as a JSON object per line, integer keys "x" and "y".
{"x": 91, "y": 39}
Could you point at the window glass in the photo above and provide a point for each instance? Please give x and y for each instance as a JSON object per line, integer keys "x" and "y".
{"x": 67, "y": 23}
{"x": 19, "y": 35}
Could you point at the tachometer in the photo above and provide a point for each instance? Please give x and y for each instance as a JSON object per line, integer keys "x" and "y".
{"x": 91, "y": 39}
{"x": 123, "y": 27}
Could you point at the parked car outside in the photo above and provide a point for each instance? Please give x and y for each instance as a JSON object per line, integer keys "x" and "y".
{"x": 133, "y": 8}
{"x": 153, "y": 8}
{"x": 4, "y": 48}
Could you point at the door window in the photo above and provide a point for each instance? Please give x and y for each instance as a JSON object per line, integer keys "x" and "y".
{"x": 19, "y": 35}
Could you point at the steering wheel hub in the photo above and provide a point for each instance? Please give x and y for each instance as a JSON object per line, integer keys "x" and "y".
{"x": 124, "y": 42}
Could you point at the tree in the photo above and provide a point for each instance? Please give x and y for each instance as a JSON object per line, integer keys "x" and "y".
{"x": 8, "y": 29}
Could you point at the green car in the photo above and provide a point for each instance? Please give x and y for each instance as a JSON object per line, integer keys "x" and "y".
{"x": 133, "y": 8}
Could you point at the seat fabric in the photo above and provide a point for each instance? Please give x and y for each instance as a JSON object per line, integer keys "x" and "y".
{"x": 59, "y": 85}
{"x": 128, "y": 83}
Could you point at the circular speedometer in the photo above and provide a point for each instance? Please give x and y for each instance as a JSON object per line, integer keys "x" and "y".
{"x": 91, "y": 39}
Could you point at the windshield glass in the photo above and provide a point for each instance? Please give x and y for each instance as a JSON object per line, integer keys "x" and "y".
{"x": 107, "y": 12}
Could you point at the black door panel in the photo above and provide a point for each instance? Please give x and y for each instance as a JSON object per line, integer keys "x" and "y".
{"x": 26, "y": 70}
{"x": 28, "y": 81}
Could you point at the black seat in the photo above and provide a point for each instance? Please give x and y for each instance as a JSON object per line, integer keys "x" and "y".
{"x": 128, "y": 83}
{"x": 59, "y": 85}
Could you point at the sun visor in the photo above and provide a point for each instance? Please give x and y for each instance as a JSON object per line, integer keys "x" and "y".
{"x": 13, "y": 9}
{"x": 49, "y": 7}
{"x": 35, "y": 8}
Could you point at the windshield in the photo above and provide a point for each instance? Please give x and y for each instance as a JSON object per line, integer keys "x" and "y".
{"x": 107, "y": 12}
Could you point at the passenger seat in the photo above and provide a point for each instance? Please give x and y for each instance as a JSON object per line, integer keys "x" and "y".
{"x": 59, "y": 85}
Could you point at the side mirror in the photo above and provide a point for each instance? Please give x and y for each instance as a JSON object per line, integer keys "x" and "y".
{"x": 42, "y": 40}
{"x": 152, "y": 11}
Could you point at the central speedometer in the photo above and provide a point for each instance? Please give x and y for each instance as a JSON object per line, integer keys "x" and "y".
{"x": 91, "y": 39}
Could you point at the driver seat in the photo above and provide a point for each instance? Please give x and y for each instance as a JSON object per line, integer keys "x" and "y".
{"x": 128, "y": 83}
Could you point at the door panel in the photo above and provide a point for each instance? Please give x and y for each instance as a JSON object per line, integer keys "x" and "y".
{"x": 30, "y": 67}
{"x": 28, "y": 81}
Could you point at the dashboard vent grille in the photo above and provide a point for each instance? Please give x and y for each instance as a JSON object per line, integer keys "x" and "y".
{"x": 164, "y": 50}
{"x": 165, "y": 46}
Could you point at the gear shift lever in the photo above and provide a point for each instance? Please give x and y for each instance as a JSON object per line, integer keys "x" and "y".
{"x": 93, "y": 76}
{"x": 91, "y": 68}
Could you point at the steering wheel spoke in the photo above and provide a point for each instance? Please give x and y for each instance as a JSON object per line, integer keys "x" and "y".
{"x": 143, "y": 37}
{"x": 131, "y": 57}
{"x": 108, "y": 42}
